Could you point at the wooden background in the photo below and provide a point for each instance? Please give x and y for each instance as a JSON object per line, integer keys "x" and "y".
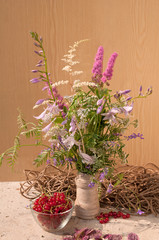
{"x": 129, "y": 27}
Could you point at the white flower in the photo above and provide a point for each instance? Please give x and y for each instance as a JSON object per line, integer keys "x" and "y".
{"x": 81, "y": 84}
{"x": 67, "y": 68}
{"x": 76, "y": 73}
{"x": 86, "y": 158}
{"x": 62, "y": 82}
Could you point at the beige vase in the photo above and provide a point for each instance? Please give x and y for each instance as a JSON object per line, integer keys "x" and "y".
{"x": 87, "y": 201}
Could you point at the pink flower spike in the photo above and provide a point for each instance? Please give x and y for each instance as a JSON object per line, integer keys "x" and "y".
{"x": 109, "y": 70}
{"x": 98, "y": 64}
{"x": 103, "y": 79}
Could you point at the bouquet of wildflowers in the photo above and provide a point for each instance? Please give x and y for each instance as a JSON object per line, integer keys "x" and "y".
{"x": 86, "y": 129}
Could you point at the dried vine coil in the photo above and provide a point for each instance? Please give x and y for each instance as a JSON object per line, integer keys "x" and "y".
{"x": 139, "y": 187}
{"x": 48, "y": 181}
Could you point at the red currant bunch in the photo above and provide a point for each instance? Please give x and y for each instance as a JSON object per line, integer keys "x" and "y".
{"x": 104, "y": 217}
{"x": 52, "y": 210}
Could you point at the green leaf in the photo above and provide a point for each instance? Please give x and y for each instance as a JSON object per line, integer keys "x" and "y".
{"x": 34, "y": 35}
{"x": 117, "y": 183}
{"x": 42, "y": 158}
{"x": 1, "y": 158}
{"x": 58, "y": 120}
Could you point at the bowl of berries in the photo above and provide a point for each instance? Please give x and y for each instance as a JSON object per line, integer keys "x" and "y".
{"x": 52, "y": 213}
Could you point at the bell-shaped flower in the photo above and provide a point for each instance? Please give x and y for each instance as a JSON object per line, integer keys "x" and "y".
{"x": 54, "y": 109}
{"x": 111, "y": 115}
{"x": 35, "y": 80}
{"x": 40, "y": 101}
{"x": 46, "y": 129}
{"x": 99, "y": 109}
{"x": 42, "y": 115}
{"x": 64, "y": 122}
{"x": 72, "y": 125}
{"x": 127, "y": 109}
{"x": 86, "y": 158}
{"x": 110, "y": 188}
{"x": 100, "y": 101}
{"x": 70, "y": 141}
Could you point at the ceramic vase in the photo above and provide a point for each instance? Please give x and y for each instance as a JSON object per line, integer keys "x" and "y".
{"x": 87, "y": 201}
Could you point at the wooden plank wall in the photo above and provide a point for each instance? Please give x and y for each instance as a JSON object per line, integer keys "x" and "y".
{"x": 129, "y": 27}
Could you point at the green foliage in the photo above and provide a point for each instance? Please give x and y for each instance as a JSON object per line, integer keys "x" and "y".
{"x": 41, "y": 158}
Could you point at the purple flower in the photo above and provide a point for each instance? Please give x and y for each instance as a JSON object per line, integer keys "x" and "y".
{"x": 39, "y": 65}
{"x": 149, "y": 91}
{"x": 120, "y": 93}
{"x": 48, "y": 161}
{"x": 46, "y": 129}
{"x": 72, "y": 125}
{"x": 103, "y": 174}
{"x": 42, "y": 115}
{"x": 111, "y": 115}
{"x": 44, "y": 88}
{"x": 107, "y": 75}
{"x": 54, "y": 161}
{"x": 40, "y": 101}
{"x": 70, "y": 160}
{"x": 110, "y": 188}
{"x": 64, "y": 122}
{"x": 124, "y": 92}
{"x": 91, "y": 184}
{"x": 127, "y": 109}
{"x": 99, "y": 109}
{"x": 35, "y": 80}
{"x": 40, "y": 61}
{"x": 60, "y": 138}
{"x": 100, "y": 101}
{"x": 53, "y": 109}
{"x": 37, "y": 45}
{"x": 134, "y": 135}
{"x": 38, "y": 53}
{"x": 35, "y": 71}
{"x": 129, "y": 98}
{"x": 88, "y": 166}
{"x": 140, "y": 212}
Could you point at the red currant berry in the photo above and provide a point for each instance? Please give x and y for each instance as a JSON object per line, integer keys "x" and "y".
{"x": 124, "y": 216}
